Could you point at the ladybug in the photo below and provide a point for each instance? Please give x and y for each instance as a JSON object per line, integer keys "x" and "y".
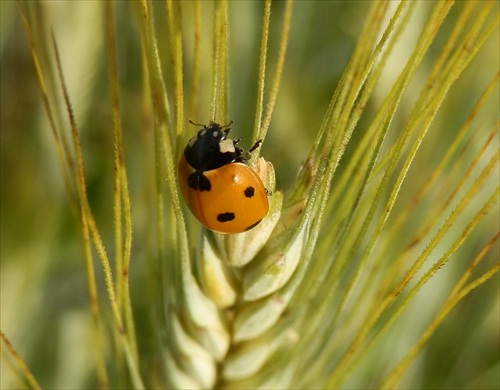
{"x": 222, "y": 191}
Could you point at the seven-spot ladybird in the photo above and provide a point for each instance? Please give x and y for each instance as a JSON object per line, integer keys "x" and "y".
{"x": 224, "y": 193}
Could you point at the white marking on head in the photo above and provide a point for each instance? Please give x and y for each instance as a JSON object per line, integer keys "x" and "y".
{"x": 226, "y": 146}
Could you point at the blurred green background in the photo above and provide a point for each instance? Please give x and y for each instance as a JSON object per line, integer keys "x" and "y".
{"x": 44, "y": 300}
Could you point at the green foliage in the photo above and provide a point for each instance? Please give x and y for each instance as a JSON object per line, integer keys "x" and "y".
{"x": 377, "y": 265}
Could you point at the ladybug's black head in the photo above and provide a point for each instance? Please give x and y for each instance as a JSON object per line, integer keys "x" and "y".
{"x": 215, "y": 126}
{"x": 213, "y": 132}
{"x": 211, "y": 148}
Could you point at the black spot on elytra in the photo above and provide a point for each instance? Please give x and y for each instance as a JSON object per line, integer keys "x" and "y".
{"x": 225, "y": 217}
{"x": 249, "y": 192}
{"x": 198, "y": 181}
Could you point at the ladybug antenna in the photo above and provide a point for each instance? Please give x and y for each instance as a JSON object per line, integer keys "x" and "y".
{"x": 196, "y": 124}
{"x": 229, "y": 124}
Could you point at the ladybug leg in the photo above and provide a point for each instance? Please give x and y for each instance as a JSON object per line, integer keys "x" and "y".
{"x": 198, "y": 181}
{"x": 241, "y": 155}
{"x": 255, "y": 146}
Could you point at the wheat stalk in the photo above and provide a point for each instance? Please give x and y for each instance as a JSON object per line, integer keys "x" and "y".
{"x": 369, "y": 248}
